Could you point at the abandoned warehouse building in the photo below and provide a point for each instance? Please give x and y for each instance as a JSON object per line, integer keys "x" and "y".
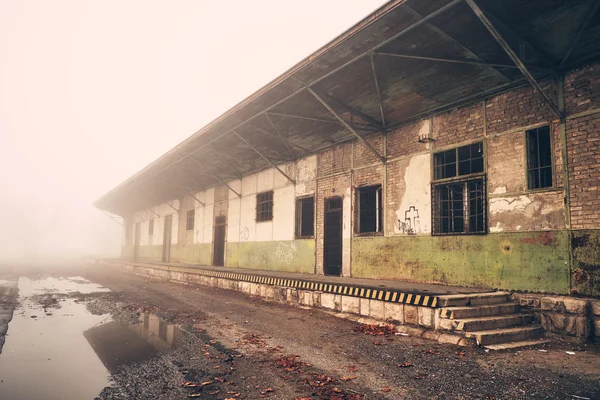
{"x": 453, "y": 142}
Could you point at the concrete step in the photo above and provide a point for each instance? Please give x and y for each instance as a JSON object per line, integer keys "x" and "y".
{"x": 473, "y": 299}
{"x": 479, "y": 311}
{"x": 505, "y": 335}
{"x": 517, "y": 345}
{"x": 486, "y": 323}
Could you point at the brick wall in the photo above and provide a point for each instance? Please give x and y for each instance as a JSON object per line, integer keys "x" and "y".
{"x": 363, "y": 156}
{"x": 506, "y": 163}
{"x": 404, "y": 141}
{"x": 519, "y": 108}
{"x": 583, "y": 144}
{"x": 458, "y": 125}
{"x": 334, "y": 160}
{"x": 582, "y": 89}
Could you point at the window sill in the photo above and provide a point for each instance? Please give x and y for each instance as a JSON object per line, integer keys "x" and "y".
{"x": 460, "y": 234}
{"x": 304, "y": 237}
{"x": 527, "y": 191}
{"x": 368, "y": 234}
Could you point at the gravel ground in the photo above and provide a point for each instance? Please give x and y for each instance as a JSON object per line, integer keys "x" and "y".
{"x": 238, "y": 347}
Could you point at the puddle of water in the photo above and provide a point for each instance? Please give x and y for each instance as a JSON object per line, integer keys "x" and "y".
{"x": 70, "y": 353}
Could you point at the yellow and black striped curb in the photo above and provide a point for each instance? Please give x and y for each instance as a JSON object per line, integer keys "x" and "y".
{"x": 363, "y": 292}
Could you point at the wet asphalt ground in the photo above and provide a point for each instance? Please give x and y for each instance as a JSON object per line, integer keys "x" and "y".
{"x": 152, "y": 339}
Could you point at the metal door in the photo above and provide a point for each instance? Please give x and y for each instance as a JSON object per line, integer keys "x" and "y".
{"x": 332, "y": 246}
{"x": 166, "y": 256}
{"x": 219, "y": 241}
{"x": 136, "y": 245}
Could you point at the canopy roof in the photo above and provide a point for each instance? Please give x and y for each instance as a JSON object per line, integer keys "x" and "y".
{"x": 407, "y": 60}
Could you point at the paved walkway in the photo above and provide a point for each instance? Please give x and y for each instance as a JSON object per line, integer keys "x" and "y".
{"x": 402, "y": 286}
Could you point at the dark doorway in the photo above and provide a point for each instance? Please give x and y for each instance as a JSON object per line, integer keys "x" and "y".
{"x": 219, "y": 241}
{"x": 136, "y": 246}
{"x": 166, "y": 256}
{"x": 332, "y": 246}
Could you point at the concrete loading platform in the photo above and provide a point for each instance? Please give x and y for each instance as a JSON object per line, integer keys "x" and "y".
{"x": 448, "y": 314}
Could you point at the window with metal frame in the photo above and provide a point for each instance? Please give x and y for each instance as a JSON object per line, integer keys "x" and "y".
{"x": 459, "y": 202}
{"x": 305, "y": 217}
{"x": 189, "y": 221}
{"x": 459, "y": 207}
{"x": 370, "y": 209}
{"x": 264, "y": 206}
{"x": 539, "y": 158}
{"x": 151, "y": 227}
{"x": 460, "y": 161}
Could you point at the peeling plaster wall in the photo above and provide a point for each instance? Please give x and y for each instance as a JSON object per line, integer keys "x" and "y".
{"x": 413, "y": 215}
{"x": 528, "y": 212}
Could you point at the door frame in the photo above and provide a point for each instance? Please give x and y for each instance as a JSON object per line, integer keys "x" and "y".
{"x": 136, "y": 240}
{"x": 167, "y": 233}
{"x": 214, "y": 253}
{"x": 339, "y": 210}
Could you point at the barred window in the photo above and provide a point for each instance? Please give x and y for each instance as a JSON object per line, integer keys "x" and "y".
{"x": 264, "y": 206}
{"x": 370, "y": 209}
{"x": 151, "y": 227}
{"x": 539, "y": 158}
{"x": 459, "y": 202}
{"x": 459, "y": 207}
{"x": 189, "y": 221}
{"x": 305, "y": 217}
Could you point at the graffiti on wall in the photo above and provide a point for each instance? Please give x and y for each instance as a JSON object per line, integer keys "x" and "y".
{"x": 244, "y": 233}
{"x": 411, "y": 224}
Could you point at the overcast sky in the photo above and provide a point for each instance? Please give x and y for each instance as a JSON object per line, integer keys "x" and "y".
{"x": 93, "y": 91}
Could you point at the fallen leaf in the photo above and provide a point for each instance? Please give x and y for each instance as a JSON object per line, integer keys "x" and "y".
{"x": 405, "y": 365}
{"x": 352, "y": 368}
{"x": 348, "y": 378}
{"x": 386, "y": 390}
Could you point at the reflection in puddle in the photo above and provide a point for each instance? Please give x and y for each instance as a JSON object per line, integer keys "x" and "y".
{"x": 67, "y": 354}
{"x": 117, "y": 343}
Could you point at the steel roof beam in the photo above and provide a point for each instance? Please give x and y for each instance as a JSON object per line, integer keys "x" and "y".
{"x": 367, "y": 52}
{"x": 449, "y": 38}
{"x": 223, "y": 158}
{"x": 265, "y": 158}
{"x": 277, "y": 137}
{"x": 455, "y": 61}
{"x": 376, "y": 80}
{"x": 595, "y": 5}
{"x": 281, "y": 137}
{"x": 492, "y": 29}
{"x": 331, "y": 121}
{"x": 215, "y": 176}
{"x": 368, "y": 119}
{"x": 350, "y": 128}
{"x": 169, "y": 204}
{"x": 503, "y": 25}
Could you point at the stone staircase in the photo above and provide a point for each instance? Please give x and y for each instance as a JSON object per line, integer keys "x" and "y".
{"x": 491, "y": 319}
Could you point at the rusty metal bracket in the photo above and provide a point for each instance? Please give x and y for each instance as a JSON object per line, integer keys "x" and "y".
{"x": 265, "y": 158}
{"x": 215, "y": 176}
{"x": 113, "y": 218}
{"x": 490, "y": 27}
{"x": 343, "y": 121}
{"x": 169, "y": 204}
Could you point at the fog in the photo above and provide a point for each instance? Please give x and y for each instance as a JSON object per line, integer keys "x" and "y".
{"x": 92, "y": 91}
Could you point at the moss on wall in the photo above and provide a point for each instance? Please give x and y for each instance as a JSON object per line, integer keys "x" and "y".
{"x": 586, "y": 262}
{"x": 533, "y": 261}
{"x": 289, "y": 255}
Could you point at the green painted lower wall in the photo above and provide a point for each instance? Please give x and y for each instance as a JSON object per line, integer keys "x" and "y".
{"x": 586, "y": 262}
{"x": 535, "y": 261}
{"x": 197, "y": 253}
{"x": 151, "y": 253}
{"x": 290, "y": 256}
